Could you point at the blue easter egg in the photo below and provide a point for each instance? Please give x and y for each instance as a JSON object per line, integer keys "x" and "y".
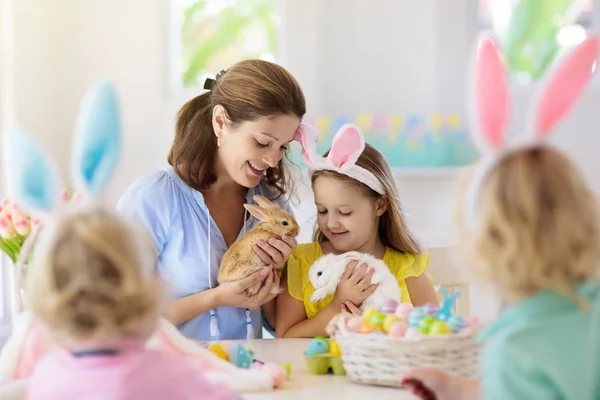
{"x": 317, "y": 346}
{"x": 456, "y": 323}
{"x": 239, "y": 356}
{"x": 431, "y": 309}
{"x": 415, "y": 316}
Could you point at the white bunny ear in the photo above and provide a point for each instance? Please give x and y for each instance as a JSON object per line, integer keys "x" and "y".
{"x": 489, "y": 96}
{"x": 308, "y": 136}
{"x": 347, "y": 145}
{"x": 32, "y": 177}
{"x": 562, "y": 87}
{"x": 97, "y": 144}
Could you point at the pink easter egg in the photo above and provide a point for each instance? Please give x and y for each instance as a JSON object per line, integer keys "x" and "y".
{"x": 398, "y": 329}
{"x": 403, "y": 310}
{"x": 277, "y": 373}
{"x": 389, "y": 306}
{"x": 472, "y": 320}
{"x": 354, "y": 324}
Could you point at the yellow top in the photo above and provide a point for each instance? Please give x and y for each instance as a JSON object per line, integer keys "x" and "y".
{"x": 402, "y": 265}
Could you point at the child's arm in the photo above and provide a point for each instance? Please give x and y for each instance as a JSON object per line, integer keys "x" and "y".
{"x": 421, "y": 290}
{"x": 430, "y": 384}
{"x": 292, "y": 320}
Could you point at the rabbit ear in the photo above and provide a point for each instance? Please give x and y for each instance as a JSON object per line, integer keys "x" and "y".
{"x": 562, "y": 87}
{"x": 97, "y": 144}
{"x": 257, "y": 211}
{"x": 32, "y": 176}
{"x": 489, "y": 96}
{"x": 308, "y": 136}
{"x": 347, "y": 145}
{"x": 263, "y": 201}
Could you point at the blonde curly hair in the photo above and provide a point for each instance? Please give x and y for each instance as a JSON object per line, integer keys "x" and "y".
{"x": 537, "y": 225}
{"x": 93, "y": 277}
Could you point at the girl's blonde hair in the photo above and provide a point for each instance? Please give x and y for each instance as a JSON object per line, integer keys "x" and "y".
{"x": 393, "y": 231}
{"x": 93, "y": 277}
{"x": 537, "y": 225}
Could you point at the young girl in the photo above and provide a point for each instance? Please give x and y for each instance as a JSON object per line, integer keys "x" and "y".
{"x": 533, "y": 225}
{"x": 93, "y": 284}
{"x": 358, "y": 210}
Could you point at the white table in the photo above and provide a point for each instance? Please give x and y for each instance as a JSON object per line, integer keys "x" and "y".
{"x": 302, "y": 385}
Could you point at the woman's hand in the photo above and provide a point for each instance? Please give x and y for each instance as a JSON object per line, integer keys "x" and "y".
{"x": 234, "y": 293}
{"x": 276, "y": 252}
{"x": 355, "y": 285}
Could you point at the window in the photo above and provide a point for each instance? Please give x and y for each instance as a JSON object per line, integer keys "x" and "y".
{"x": 211, "y": 35}
{"x": 532, "y": 39}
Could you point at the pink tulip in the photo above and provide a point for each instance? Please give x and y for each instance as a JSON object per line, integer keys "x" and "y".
{"x": 76, "y": 196}
{"x": 22, "y": 226}
{"x": 7, "y": 229}
{"x": 34, "y": 223}
{"x": 65, "y": 196}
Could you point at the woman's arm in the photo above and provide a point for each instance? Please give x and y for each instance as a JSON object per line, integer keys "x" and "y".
{"x": 181, "y": 310}
{"x": 291, "y": 316}
{"x": 421, "y": 290}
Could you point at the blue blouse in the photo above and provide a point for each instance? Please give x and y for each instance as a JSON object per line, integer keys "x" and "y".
{"x": 190, "y": 246}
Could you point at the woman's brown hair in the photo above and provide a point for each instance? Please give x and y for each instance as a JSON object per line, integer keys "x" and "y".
{"x": 393, "y": 231}
{"x": 248, "y": 90}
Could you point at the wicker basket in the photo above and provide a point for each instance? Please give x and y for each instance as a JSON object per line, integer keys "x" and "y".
{"x": 383, "y": 360}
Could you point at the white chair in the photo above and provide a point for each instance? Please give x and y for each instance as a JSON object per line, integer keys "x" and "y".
{"x": 447, "y": 271}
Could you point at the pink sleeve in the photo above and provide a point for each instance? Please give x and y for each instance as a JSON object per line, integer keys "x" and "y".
{"x": 195, "y": 383}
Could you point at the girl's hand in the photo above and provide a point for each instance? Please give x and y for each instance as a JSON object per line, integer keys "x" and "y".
{"x": 432, "y": 384}
{"x": 349, "y": 307}
{"x": 355, "y": 285}
{"x": 234, "y": 293}
{"x": 276, "y": 252}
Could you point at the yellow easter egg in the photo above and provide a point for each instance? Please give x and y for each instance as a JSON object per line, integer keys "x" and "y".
{"x": 396, "y": 121}
{"x": 367, "y": 328}
{"x": 334, "y": 349}
{"x": 218, "y": 350}
{"x": 368, "y": 314}
{"x": 390, "y": 319}
{"x": 364, "y": 121}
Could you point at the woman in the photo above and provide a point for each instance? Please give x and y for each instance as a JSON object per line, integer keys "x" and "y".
{"x": 228, "y": 147}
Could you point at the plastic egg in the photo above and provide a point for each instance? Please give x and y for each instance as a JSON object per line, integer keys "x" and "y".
{"x": 430, "y": 309}
{"x": 218, "y": 350}
{"x": 239, "y": 356}
{"x": 415, "y": 316}
{"x": 368, "y": 314}
{"x": 367, "y": 328}
{"x": 390, "y": 320}
{"x": 334, "y": 349}
{"x": 398, "y": 329}
{"x": 403, "y": 310}
{"x": 472, "y": 320}
{"x": 317, "y": 346}
{"x": 456, "y": 323}
{"x": 377, "y": 319}
{"x": 425, "y": 324}
{"x": 354, "y": 324}
{"x": 439, "y": 328}
{"x": 389, "y": 306}
{"x": 413, "y": 333}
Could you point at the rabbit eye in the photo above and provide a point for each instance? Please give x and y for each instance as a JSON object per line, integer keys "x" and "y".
{"x": 319, "y": 273}
{"x": 285, "y": 223}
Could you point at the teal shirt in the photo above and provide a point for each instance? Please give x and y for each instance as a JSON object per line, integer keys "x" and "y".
{"x": 545, "y": 347}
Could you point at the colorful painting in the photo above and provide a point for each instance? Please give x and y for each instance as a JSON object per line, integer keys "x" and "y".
{"x": 435, "y": 141}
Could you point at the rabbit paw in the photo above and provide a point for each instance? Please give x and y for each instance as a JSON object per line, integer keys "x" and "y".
{"x": 318, "y": 295}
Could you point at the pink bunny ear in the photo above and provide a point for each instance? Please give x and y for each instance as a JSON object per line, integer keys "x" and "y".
{"x": 347, "y": 145}
{"x": 490, "y": 96}
{"x": 563, "y": 87}
{"x": 307, "y": 136}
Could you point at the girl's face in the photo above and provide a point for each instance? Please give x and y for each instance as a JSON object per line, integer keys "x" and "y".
{"x": 249, "y": 149}
{"x": 347, "y": 218}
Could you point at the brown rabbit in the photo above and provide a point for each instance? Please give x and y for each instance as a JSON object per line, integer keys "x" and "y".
{"x": 240, "y": 260}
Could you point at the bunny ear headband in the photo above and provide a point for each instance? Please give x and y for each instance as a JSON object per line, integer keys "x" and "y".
{"x": 346, "y": 147}
{"x": 489, "y": 105}
{"x": 33, "y": 178}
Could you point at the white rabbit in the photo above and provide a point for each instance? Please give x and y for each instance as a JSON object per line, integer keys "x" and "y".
{"x": 326, "y": 272}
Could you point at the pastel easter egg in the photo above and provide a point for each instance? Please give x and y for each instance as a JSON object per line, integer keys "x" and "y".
{"x": 456, "y": 323}
{"x": 239, "y": 356}
{"x": 317, "y": 346}
{"x": 415, "y": 317}
{"x": 390, "y": 320}
{"x": 377, "y": 319}
{"x": 472, "y": 320}
{"x": 413, "y": 333}
{"x": 403, "y": 310}
{"x": 430, "y": 309}
{"x": 218, "y": 350}
{"x": 367, "y": 328}
{"x": 354, "y": 324}
{"x": 334, "y": 349}
{"x": 425, "y": 324}
{"x": 389, "y": 306}
{"x": 398, "y": 329}
{"x": 368, "y": 314}
{"x": 439, "y": 328}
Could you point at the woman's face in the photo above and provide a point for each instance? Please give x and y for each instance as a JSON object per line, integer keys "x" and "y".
{"x": 248, "y": 150}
